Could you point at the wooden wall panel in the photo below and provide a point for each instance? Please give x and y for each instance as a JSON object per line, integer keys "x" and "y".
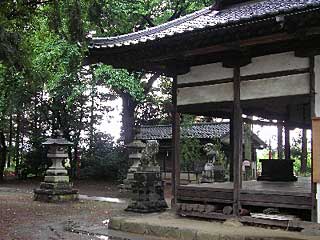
{"x": 316, "y": 149}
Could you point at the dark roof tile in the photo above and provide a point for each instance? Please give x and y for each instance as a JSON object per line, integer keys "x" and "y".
{"x": 207, "y": 18}
{"x": 201, "y": 131}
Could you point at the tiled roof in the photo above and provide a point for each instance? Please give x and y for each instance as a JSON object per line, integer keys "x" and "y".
{"x": 209, "y": 19}
{"x": 202, "y": 131}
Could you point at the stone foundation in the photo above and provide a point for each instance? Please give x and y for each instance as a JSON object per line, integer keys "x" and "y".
{"x": 56, "y": 192}
{"x": 148, "y": 195}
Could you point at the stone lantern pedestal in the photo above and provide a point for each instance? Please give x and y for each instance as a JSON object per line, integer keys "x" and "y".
{"x": 148, "y": 196}
{"x": 147, "y": 185}
{"x": 56, "y": 186}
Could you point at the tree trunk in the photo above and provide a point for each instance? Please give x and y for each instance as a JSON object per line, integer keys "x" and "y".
{"x": 76, "y": 161}
{"x": 17, "y": 143}
{"x": 304, "y": 152}
{"x": 10, "y": 141}
{"x": 3, "y": 154}
{"x": 91, "y": 126}
{"x": 128, "y": 118}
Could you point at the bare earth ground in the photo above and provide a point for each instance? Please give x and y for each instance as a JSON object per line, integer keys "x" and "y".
{"x": 22, "y": 218}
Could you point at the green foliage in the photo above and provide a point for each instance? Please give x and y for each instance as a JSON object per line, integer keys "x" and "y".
{"x": 53, "y": 58}
{"x": 43, "y": 85}
{"x": 155, "y": 109}
{"x": 106, "y": 161}
{"x": 34, "y": 163}
{"x": 190, "y": 147}
{"x": 121, "y": 81}
{"x": 296, "y": 154}
{"x": 220, "y": 155}
{"x": 190, "y": 153}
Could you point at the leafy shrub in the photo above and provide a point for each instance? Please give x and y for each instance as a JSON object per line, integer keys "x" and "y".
{"x": 105, "y": 160}
{"x": 190, "y": 153}
{"x": 34, "y": 163}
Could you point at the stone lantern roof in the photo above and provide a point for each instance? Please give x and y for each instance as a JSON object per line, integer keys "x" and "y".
{"x": 136, "y": 144}
{"x": 58, "y": 140}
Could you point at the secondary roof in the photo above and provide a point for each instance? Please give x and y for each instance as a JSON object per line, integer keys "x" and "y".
{"x": 199, "y": 131}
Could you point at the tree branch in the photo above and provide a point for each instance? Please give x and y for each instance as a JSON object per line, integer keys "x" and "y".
{"x": 148, "y": 20}
{"x": 150, "y": 82}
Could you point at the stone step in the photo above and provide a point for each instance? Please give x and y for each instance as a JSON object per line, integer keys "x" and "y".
{"x": 168, "y": 225}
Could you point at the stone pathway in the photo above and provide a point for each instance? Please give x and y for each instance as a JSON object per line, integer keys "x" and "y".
{"x": 170, "y": 226}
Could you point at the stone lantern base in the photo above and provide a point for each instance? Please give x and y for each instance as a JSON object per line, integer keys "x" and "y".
{"x": 56, "y": 192}
{"x": 148, "y": 195}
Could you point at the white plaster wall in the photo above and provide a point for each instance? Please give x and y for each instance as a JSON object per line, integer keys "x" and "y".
{"x": 274, "y": 63}
{"x": 207, "y": 72}
{"x": 256, "y": 89}
{"x": 205, "y": 94}
{"x": 317, "y": 85}
{"x": 275, "y": 87}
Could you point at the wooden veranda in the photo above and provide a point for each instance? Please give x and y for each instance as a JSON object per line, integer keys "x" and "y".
{"x": 289, "y": 195}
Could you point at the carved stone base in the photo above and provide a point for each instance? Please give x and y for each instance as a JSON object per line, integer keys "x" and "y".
{"x": 219, "y": 174}
{"x": 127, "y": 183}
{"x": 55, "y": 178}
{"x": 148, "y": 195}
{"x": 56, "y": 192}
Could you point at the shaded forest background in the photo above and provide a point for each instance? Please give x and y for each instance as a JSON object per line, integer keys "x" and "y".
{"x": 46, "y": 85}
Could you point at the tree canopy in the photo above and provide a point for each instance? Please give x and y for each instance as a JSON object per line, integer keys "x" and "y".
{"x": 43, "y": 81}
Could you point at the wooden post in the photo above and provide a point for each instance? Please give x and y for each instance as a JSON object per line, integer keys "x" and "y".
{"x": 314, "y": 214}
{"x": 175, "y": 175}
{"x": 237, "y": 141}
{"x": 304, "y": 152}
{"x": 287, "y": 142}
{"x": 231, "y": 149}
{"x": 280, "y": 141}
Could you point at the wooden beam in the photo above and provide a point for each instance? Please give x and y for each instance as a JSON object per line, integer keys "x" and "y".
{"x": 175, "y": 143}
{"x": 237, "y": 141}
{"x": 242, "y": 43}
{"x": 235, "y": 58}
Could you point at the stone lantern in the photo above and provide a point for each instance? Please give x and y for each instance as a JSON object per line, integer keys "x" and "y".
{"x": 135, "y": 152}
{"x": 56, "y": 186}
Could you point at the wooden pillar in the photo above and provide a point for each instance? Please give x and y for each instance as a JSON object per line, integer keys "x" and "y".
{"x": 237, "y": 141}
{"x": 304, "y": 152}
{"x": 314, "y": 215}
{"x": 231, "y": 150}
{"x": 175, "y": 175}
{"x": 287, "y": 142}
{"x": 280, "y": 140}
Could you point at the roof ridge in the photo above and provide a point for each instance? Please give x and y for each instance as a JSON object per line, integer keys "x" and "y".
{"x": 160, "y": 27}
{"x": 193, "y": 124}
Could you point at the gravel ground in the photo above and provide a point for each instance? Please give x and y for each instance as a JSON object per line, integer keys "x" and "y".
{"x": 21, "y": 218}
